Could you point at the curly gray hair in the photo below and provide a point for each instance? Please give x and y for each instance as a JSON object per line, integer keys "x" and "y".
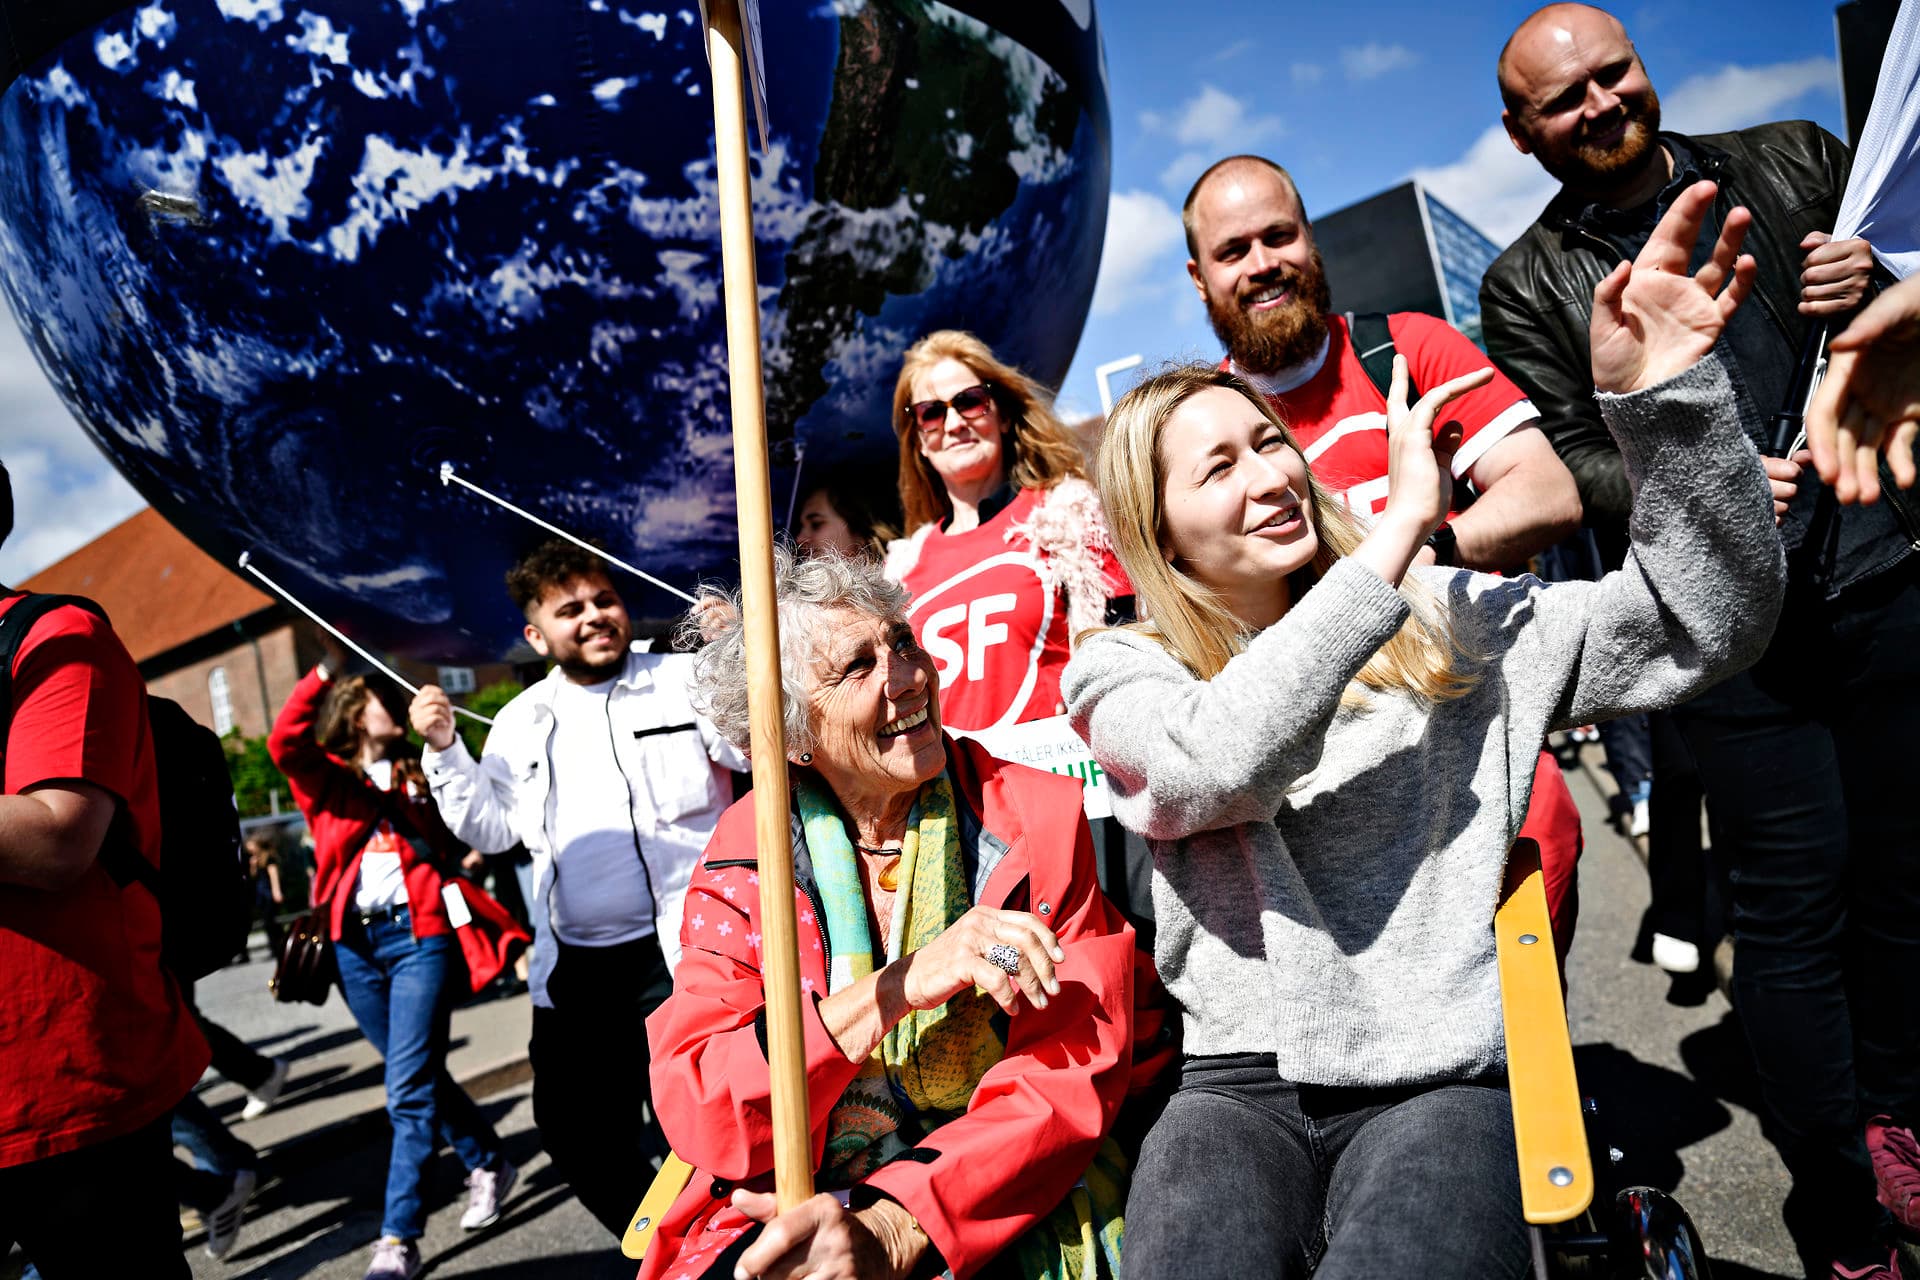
{"x": 806, "y": 589}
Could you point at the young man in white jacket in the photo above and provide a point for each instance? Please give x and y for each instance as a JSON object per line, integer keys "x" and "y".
{"x": 603, "y": 771}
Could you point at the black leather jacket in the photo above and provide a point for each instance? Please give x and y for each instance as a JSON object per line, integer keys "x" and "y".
{"x": 1537, "y": 300}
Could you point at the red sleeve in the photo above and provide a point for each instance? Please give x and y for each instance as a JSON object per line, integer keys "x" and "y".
{"x": 77, "y": 707}
{"x": 712, "y": 1088}
{"x": 291, "y": 744}
{"x": 1052, "y": 1098}
{"x": 1437, "y": 352}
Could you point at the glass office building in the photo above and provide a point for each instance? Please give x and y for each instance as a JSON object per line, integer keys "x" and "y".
{"x": 1403, "y": 250}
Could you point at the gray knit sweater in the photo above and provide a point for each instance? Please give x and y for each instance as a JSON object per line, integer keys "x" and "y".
{"x": 1325, "y": 877}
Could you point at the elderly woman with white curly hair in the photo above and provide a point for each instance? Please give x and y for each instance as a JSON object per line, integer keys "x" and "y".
{"x": 968, "y": 1015}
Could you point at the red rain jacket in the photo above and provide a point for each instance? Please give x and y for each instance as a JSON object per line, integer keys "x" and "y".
{"x": 342, "y": 809}
{"x": 976, "y": 1183}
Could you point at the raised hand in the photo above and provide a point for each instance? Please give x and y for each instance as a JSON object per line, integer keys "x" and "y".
{"x": 431, "y": 714}
{"x": 713, "y": 614}
{"x": 1869, "y": 401}
{"x": 1419, "y": 459}
{"x": 334, "y": 655}
{"x": 1651, "y": 320}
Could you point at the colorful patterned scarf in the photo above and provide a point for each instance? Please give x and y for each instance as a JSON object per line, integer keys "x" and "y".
{"x": 927, "y": 1068}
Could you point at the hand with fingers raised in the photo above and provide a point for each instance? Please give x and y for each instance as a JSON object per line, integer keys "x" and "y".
{"x": 1869, "y": 402}
{"x": 1419, "y": 458}
{"x": 1419, "y": 472}
{"x": 1651, "y": 319}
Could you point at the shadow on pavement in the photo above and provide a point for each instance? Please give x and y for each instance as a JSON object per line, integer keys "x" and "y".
{"x": 1651, "y": 1114}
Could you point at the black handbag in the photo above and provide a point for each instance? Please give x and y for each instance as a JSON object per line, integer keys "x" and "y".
{"x": 306, "y": 972}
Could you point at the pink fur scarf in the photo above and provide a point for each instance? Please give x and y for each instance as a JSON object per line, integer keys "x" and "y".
{"x": 1067, "y": 532}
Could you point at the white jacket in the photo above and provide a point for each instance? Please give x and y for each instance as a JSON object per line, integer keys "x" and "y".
{"x": 675, "y": 762}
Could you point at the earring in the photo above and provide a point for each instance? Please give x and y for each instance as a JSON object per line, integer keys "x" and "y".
{"x": 806, "y": 757}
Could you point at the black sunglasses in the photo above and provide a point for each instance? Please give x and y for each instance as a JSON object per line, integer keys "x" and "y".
{"x": 968, "y": 403}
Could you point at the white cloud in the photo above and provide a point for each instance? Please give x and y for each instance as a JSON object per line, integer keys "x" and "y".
{"x": 1492, "y": 186}
{"x": 64, "y": 492}
{"x": 1134, "y": 262}
{"x": 1232, "y": 51}
{"x": 1501, "y": 191}
{"x": 1215, "y": 119}
{"x": 1373, "y": 60}
{"x": 1735, "y": 97}
{"x": 1307, "y": 74}
{"x": 1178, "y": 176}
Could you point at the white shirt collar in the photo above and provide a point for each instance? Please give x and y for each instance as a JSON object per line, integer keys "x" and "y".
{"x": 1281, "y": 381}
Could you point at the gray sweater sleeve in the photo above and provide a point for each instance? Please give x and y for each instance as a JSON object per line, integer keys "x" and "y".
{"x": 1185, "y": 755}
{"x": 1698, "y": 595}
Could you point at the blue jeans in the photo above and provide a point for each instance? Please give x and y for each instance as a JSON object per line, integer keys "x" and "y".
{"x": 397, "y": 987}
{"x": 217, "y": 1155}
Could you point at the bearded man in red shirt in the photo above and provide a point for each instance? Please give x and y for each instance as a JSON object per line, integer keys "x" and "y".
{"x": 1253, "y": 260}
{"x": 96, "y": 1043}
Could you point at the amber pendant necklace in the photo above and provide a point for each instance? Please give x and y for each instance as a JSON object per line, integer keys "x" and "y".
{"x": 889, "y": 877}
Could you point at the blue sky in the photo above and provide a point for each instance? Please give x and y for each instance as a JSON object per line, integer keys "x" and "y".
{"x": 1351, "y": 97}
{"x": 1356, "y": 97}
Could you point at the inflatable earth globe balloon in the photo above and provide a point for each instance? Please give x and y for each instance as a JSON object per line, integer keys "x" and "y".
{"x": 283, "y": 260}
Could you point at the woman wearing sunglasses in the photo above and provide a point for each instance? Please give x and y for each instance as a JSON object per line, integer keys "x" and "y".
{"x": 1006, "y": 555}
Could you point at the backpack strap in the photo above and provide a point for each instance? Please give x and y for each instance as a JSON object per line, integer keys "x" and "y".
{"x": 14, "y": 626}
{"x": 1372, "y": 339}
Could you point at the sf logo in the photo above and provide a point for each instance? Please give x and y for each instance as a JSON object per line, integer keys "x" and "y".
{"x": 980, "y": 632}
{"x": 985, "y": 628}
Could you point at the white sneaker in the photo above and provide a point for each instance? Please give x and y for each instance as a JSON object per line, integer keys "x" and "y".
{"x": 1675, "y": 955}
{"x": 394, "y": 1259}
{"x": 258, "y": 1100}
{"x": 486, "y": 1190}
{"x": 1641, "y": 820}
{"x": 223, "y": 1223}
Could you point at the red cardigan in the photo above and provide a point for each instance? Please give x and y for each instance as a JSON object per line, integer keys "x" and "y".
{"x": 343, "y": 808}
{"x": 1050, "y": 1099}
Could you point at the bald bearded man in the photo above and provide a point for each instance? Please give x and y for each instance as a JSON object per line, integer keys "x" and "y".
{"x": 1800, "y": 757}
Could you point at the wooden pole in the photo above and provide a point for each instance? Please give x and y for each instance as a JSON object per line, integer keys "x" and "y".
{"x": 779, "y": 945}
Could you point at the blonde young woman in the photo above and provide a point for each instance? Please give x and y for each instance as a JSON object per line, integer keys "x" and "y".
{"x": 1006, "y": 555}
{"x": 1330, "y": 754}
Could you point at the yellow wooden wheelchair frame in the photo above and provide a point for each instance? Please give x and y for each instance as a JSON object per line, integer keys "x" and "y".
{"x": 1549, "y": 1124}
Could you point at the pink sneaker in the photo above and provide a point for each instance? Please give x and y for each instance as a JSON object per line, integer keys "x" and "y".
{"x": 1872, "y": 1270}
{"x": 1896, "y": 1169}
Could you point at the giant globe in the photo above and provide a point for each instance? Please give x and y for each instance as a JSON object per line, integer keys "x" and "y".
{"x": 282, "y": 260}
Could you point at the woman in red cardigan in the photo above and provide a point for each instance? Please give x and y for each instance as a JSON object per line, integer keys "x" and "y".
{"x": 384, "y": 864}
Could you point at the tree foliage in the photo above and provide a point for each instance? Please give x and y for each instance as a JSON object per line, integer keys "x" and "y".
{"x": 487, "y": 702}
{"x": 255, "y": 779}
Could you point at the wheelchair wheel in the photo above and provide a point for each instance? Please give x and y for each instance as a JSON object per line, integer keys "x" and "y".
{"x": 1654, "y": 1239}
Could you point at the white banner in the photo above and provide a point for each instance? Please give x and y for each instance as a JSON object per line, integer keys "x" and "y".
{"x": 1052, "y": 745}
{"x": 1882, "y": 201}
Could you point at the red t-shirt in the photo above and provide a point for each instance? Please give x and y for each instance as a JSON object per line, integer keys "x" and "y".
{"x": 95, "y": 1039}
{"x": 1340, "y": 418}
{"x": 997, "y": 636}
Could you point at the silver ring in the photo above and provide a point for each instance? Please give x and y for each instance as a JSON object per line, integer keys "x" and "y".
{"x": 1002, "y": 956}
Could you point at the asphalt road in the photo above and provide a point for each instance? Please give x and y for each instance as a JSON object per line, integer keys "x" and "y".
{"x": 321, "y": 1221}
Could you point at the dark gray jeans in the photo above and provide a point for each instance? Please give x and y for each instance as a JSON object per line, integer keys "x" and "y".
{"x": 1245, "y": 1175}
